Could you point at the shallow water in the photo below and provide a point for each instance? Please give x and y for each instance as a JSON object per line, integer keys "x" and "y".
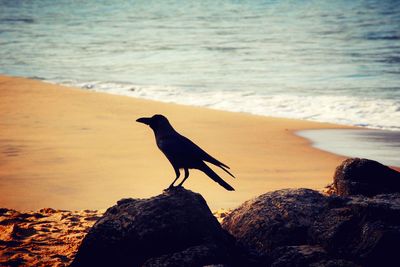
{"x": 382, "y": 146}
{"x": 333, "y": 61}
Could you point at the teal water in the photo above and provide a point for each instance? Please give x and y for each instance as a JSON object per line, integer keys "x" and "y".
{"x": 332, "y": 61}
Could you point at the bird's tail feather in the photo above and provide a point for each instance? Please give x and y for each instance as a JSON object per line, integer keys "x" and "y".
{"x": 228, "y": 172}
{"x": 207, "y": 170}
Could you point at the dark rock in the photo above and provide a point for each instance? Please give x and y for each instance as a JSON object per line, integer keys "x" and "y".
{"x": 364, "y": 230}
{"x": 302, "y": 255}
{"x": 279, "y": 218}
{"x": 364, "y": 177}
{"x": 174, "y": 228}
{"x": 306, "y": 255}
{"x": 305, "y": 228}
{"x": 198, "y": 255}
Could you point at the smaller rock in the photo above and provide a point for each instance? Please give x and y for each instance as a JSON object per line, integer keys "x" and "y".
{"x": 361, "y": 229}
{"x": 279, "y": 218}
{"x": 366, "y": 177}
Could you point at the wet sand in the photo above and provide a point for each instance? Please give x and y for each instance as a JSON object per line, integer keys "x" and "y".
{"x": 73, "y": 149}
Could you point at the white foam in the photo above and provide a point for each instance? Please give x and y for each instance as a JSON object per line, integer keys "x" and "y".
{"x": 345, "y": 110}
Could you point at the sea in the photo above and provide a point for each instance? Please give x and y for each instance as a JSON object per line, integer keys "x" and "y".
{"x": 329, "y": 61}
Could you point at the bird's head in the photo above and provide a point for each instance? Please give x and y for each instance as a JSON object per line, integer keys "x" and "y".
{"x": 157, "y": 122}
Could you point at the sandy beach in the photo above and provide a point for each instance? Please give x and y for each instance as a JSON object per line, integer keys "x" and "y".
{"x": 72, "y": 149}
{"x": 68, "y": 154}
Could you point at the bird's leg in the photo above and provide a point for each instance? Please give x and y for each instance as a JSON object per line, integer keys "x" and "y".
{"x": 186, "y": 176}
{"x": 177, "y": 172}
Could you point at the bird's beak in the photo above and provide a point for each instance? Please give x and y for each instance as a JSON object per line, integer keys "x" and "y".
{"x": 144, "y": 120}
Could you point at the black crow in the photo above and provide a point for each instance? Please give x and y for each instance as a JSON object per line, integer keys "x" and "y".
{"x": 181, "y": 152}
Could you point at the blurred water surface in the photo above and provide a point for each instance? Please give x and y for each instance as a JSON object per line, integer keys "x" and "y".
{"x": 333, "y": 61}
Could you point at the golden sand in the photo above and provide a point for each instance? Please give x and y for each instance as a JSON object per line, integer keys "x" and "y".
{"x": 46, "y": 237}
{"x": 68, "y": 148}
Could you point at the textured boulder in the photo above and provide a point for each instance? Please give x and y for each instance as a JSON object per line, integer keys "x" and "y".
{"x": 175, "y": 228}
{"x": 279, "y": 218}
{"x": 364, "y": 177}
{"x": 302, "y": 227}
{"x": 361, "y": 229}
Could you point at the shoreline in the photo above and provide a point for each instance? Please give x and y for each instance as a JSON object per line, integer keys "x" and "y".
{"x": 378, "y": 145}
{"x": 67, "y": 148}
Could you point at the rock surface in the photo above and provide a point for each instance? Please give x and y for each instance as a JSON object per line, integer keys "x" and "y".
{"x": 279, "y": 218}
{"x": 306, "y": 255}
{"x": 301, "y": 227}
{"x": 364, "y": 230}
{"x": 175, "y": 228}
{"x": 366, "y": 177}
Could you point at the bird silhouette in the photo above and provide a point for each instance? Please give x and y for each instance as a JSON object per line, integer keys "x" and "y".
{"x": 183, "y": 153}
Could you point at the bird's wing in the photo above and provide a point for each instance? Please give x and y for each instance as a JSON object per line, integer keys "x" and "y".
{"x": 172, "y": 146}
{"x": 194, "y": 150}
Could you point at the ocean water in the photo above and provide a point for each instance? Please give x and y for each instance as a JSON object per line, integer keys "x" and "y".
{"x": 331, "y": 61}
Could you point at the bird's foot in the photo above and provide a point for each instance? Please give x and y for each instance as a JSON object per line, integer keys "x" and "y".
{"x": 169, "y": 188}
{"x": 179, "y": 187}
